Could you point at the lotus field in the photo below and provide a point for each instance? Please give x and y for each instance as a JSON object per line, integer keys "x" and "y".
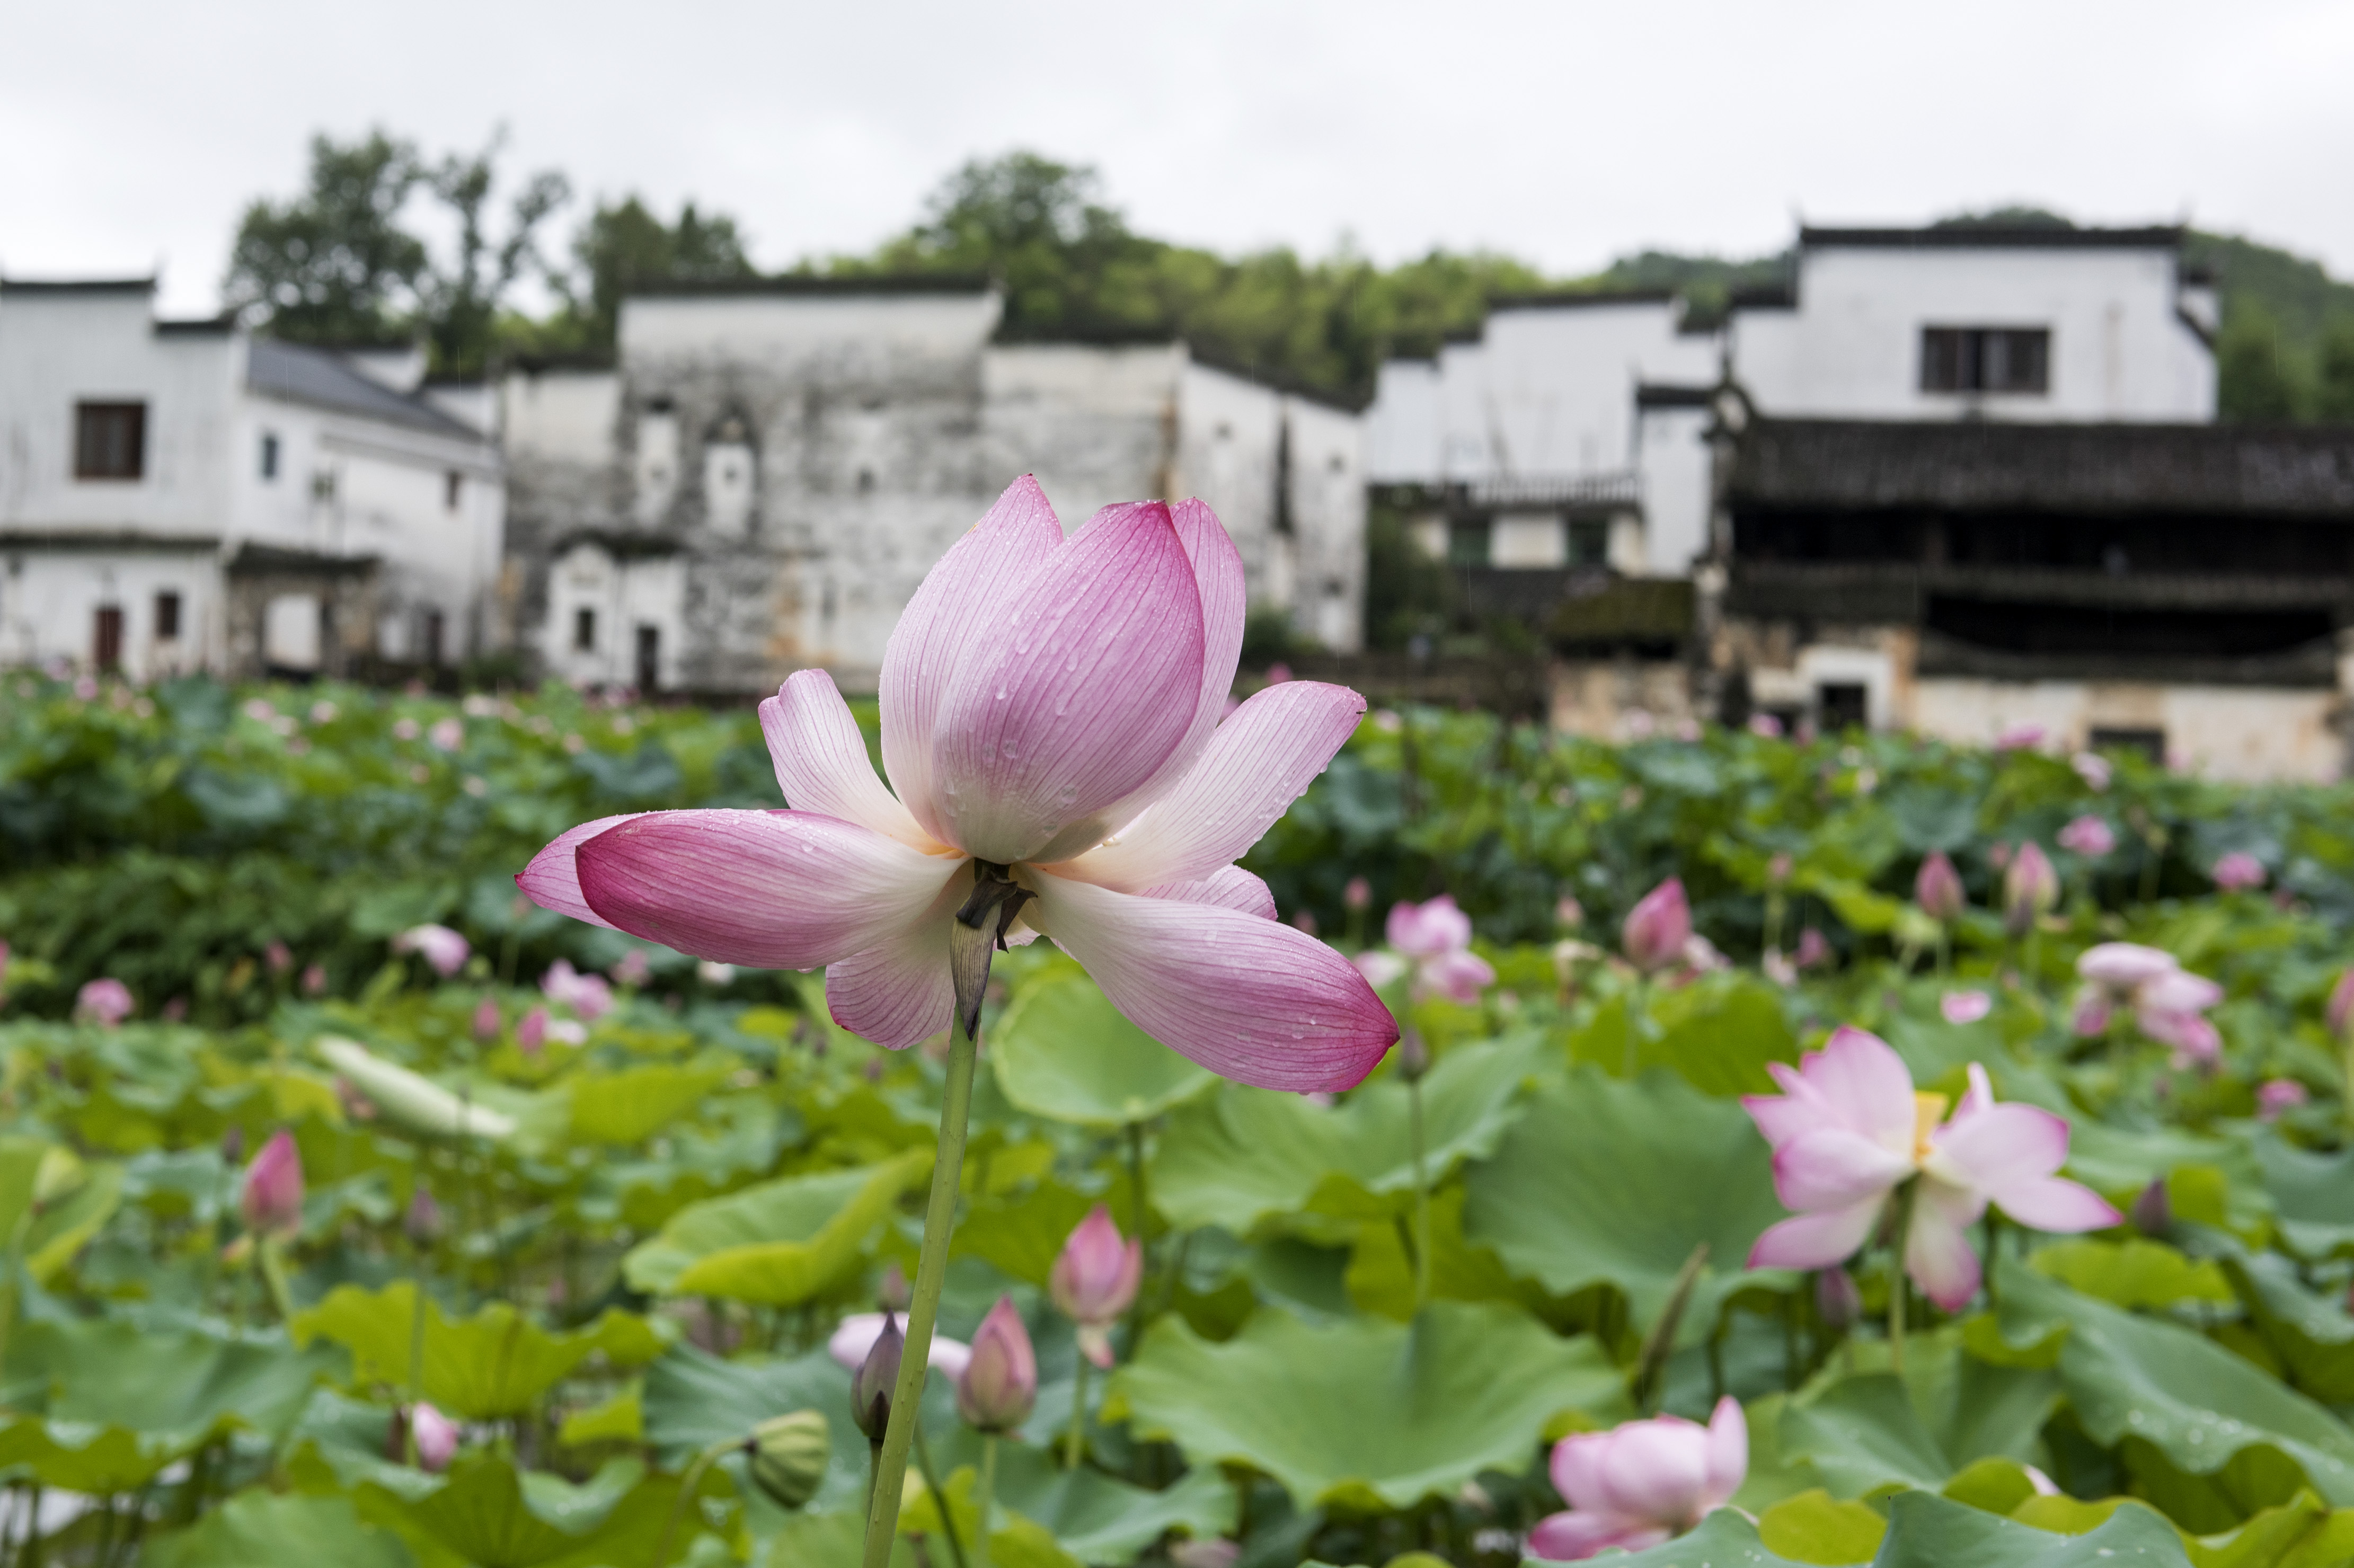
{"x": 1817, "y": 1151}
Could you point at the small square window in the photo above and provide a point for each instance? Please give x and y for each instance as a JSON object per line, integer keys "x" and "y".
{"x": 268, "y": 454}
{"x": 110, "y": 441}
{"x": 1589, "y": 541}
{"x": 2150, "y": 743}
{"x": 1467, "y": 544}
{"x": 584, "y": 631}
{"x": 1842, "y": 705}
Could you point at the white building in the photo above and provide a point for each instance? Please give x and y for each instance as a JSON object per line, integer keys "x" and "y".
{"x": 763, "y": 479}
{"x": 178, "y": 496}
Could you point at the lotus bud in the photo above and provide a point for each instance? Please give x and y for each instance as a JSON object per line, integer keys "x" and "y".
{"x": 443, "y": 949}
{"x": 487, "y": 1022}
{"x": 2030, "y": 888}
{"x": 437, "y": 1438}
{"x": 2341, "y": 1013}
{"x": 1413, "y": 1056}
{"x": 2275, "y": 1096}
{"x": 1217, "y": 1552}
{"x": 877, "y": 1376}
{"x": 272, "y": 1200}
{"x": 1658, "y": 928}
{"x": 1777, "y": 870}
{"x": 787, "y": 1456}
{"x": 1358, "y": 895}
{"x": 1568, "y": 913}
{"x": 2152, "y": 1213}
{"x": 1838, "y": 1299}
{"x": 104, "y": 1002}
{"x": 422, "y": 1223}
{"x": 280, "y": 956}
{"x": 892, "y": 1293}
{"x": 1095, "y": 1279}
{"x": 1000, "y": 1384}
{"x": 314, "y": 981}
{"x": 2238, "y": 869}
{"x": 1937, "y": 889}
{"x": 531, "y": 1035}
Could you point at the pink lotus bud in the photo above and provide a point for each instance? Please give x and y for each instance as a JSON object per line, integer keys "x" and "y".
{"x": 314, "y": 981}
{"x": 422, "y": 1223}
{"x": 2030, "y": 888}
{"x": 1358, "y": 895}
{"x": 2091, "y": 1016}
{"x": 531, "y": 1035}
{"x": 272, "y": 1200}
{"x": 447, "y": 735}
{"x": 1000, "y": 1384}
{"x": 2087, "y": 836}
{"x": 1766, "y": 725}
{"x": 2340, "y": 1012}
{"x": 1642, "y": 1483}
{"x": 1965, "y": 1006}
{"x": 1217, "y": 1553}
{"x": 280, "y": 957}
{"x": 2275, "y": 1096}
{"x": 1937, "y": 888}
{"x": 892, "y": 1292}
{"x": 1657, "y": 928}
{"x": 487, "y": 1022}
{"x": 2092, "y": 768}
{"x": 104, "y": 1002}
{"x": 439, "y": 947}
{"x": 437, "y": 1438}
{"x": 877, "y": 1377}
{"x": 2238, "y": 871}
{"x": 633, "y": 969}
{"x": 1569, "y": 913}
{"x": 1304, "y": 920}
{"x": 2152, "y": 1213}
{"x": 1814, "y": 950}
{"x": 1095, "y": 1279}
{"x": 587, "y": 995}
{"x": 1777, "y": 870}
{"x": 1427, "y": 930}
{"x": 1838, "y": 1299}
{"x": 3, "y": 966}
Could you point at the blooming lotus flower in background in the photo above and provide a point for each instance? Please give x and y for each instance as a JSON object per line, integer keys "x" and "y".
{"x": 314, "y": 981}
{"x": 1050, "y": 727}
{"x": 1849, "y": 1130}
{"x": 2092, "y": 768}
{"x": 531, "y": 1035}
{"x": 2020, "y": 737}
{"x": 447, "y": 735}
{"x": 1095, "y": 1280}
{"x": 587, "y": 995}
{"x": 1766, "y": 725}
{"x": 441, "y": 948}
{"x": 854, "y": 1337}
{"x": 2237, "y": 872}
{"x": 2030, "y": 888}
{"x": 278, "y": 956}
{"x": 1937, "y": 888}
{"x": 437, "y": 1437}
{"x": 1434, "y": 942}
{"x": 2339, "y": 1013}
{"x": 2088, "y": 836}
{"x": 2275, "y": 1096}
{"x": 1965, "y": 1006}
{"x": 633, "y": 969}
{"x": 2168, "y": 1005}
{"x": 1814, "y": 950}
{"x": 1642, "y": 1482}
{"x": 998, "y": 1386}
{"x": 105, "y": 1001}
{"x": 271, "y": 1200}
{"x": 487, "y": 1022}
{"x": 1657, "y": 930}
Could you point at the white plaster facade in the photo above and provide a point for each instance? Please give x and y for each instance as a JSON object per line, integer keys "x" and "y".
{"x": 292, "y": 471}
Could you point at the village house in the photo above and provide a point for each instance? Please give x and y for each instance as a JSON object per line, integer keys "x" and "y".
{"x": 179, "y": 496}
{"x": 766, "y": 472}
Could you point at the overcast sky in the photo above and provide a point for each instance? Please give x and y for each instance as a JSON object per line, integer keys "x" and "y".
{"x": 131, "y": 133}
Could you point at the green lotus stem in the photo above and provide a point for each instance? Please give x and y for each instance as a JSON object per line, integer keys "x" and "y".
{"x": 1421, "y": 1197}
{"x": 924, "y": 1308}
{"x": 940, "y": 1496}
{"x": 1635, "y": 1014}
{"x": 983, "y": 1502}
{"x": 1076, "y": 1445}
{"x": 416, "y": 1361}
{"x": 1143, "y": 1238}
{"x": 273, "y": 1272}
{"x": 1897, "y": 1291}
{"x": 686, "y": 1485}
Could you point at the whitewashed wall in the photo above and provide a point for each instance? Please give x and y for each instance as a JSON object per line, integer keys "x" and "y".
{"x": 49, "y": 600}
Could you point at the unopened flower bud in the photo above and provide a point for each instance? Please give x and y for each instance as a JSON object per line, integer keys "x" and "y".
{"x": 272, "y": 1203}
{"x": 1937, "y": 888}
{"x": 422, "y": 1223}
{"x": 877, "y": 1376}
{"x": 436, "y": 1437}
{"x": 1095, "y": 1279}
{"x": 1656, "y": 929}
{"x": 1413, "y": 1056}
{"x": 531, "y": 1035}
{"x": 1838, "y": 1299}
{"x": 2030, "y": 888}
{"x": 487, "y": 1022}
{"x": 1358, "y": 895}
{"x": 2152, "y": 1213}
{"x": 1000, "y": 1384}
{"x": 787, "y": 1456}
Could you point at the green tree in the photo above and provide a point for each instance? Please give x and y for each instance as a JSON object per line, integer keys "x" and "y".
{"x": 461, "y": 304}
{"x": 2334, "y": 397}
{"x": 2253, "y": 384}
{"x": 627, "y": 245}
{"x": 335, "y": 263}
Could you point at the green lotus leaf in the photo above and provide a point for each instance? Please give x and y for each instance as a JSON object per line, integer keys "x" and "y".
{"x": 2132, "y": 1272}
{"x": 1812, "y": 1528}
{"x": 260, "y": 1528}
{"x": 2311, "y": 1333}
{"x": 2313, "y": 1194}
{"x": 489, "y": 1514}
{"x": 1872, "y": 1430}
{"x": 61, "y": 1227}
{"x": 1064, "y": 1052}
{"x": 1717, "y": 1036}
{"x": 1246, "y": 1156}
{"x": 495, "y": 1363}
{"x": 777, "y": 1243}
{"x": 1095, "y": 1518}
{"x": 2121, "y": 1161}
{"x": 1365, "y": 1414}
{"x": 1724, "y": 1539}
{"x": 1605, "y": 1181}
{"x": 1925, "y": 1531}
{"x": 1015, "y": 1539}
{"x": 633, "y": 1104}
{"x": 691, "y": 1400}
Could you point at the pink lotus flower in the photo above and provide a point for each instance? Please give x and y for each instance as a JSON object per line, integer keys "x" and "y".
{"x": 856, "y": 1335}
{"x": 271, "y": 1202}
{"x": 437, "y": 1437}
{"x": 1766, "y": 726}
{"x": 2339, "y": 1013}
{"x": 1642, "y": 1482}
{"x": 447, "y": 735}
{"x": 2168, "y": 1005}
{"x": 588, "y": 996}
{"x": 1051, "y": 726}
{"x": 487, "y": 1023}
{"x": 280, "y": 957}
{"x": 2237, "y": 871}
{"x": 105, "y": 1001}
{"x": 1095, "y": 1280}
{"x": 2275, "y": 1096}
{"x": 1937, "y": 888}
{"x": 1357, "y": 894}
{"x": 1814, "y": 950}
{"x": 2088, "y": 836}
{"x": 1657, "y": 928}
{"x": 2030, "y": 888}
{"x": 633, "y": 969}
{"x": 439, "y": 947}
{"x": 1433, "y": 941}
{"x": 1849, "y": 1130}
{"x": 1965, "y": 1006}
{"x": 2092, "y": 768}
{"x": 314, "y": 981}
{"x": 531, "y": 1035}
{"x": 999, "y": 1385}
{"x": 2020, "y": 737}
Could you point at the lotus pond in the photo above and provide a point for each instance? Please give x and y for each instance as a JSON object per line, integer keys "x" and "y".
{"x": 560, "y": 1224}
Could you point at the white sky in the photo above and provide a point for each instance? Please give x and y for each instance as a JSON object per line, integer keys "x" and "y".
{"x": 131, "y": 133}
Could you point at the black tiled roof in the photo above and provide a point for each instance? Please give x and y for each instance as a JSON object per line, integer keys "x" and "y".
{"x": 316, "y": 376}
{"x": 1999, "y": 237}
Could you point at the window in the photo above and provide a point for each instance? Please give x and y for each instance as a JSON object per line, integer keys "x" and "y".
{"x": 269, "y": 455}
{"x": 1467, "y": 544}
{"x": 433, "y": 637}
{"x": 2150, "y": 743}
{"x": 584, "y": 631}
{"x": 106, "y": 642}
{"x": 454, "y": 485}
{"x": 649, "y": 660}
{"x": 1589, "y": 541}
{"x": 1986, "y": 359}
{"x": 167, "y": 617}
{"x": 110, "y": 441}
{"x": 1842, "y": 705}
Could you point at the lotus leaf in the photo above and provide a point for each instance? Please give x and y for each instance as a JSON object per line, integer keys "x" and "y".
{"x": 777, "y": 1243}
{"x": 263, "y": 1530}
{"x": 1062, "y": 1051}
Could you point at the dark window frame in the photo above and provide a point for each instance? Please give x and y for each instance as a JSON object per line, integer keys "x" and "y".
{"x": 106, "y": 632}
{"x": 269, "y": 463}
{"x": 454, "y": 488}
{"x": 584, "y": 630}
{"x": 1986, "y": 361}
{"x": 110, "y": 439}
{"x": 167, "y": 615}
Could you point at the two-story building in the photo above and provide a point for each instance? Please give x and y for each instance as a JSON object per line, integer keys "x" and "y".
{"x": 178, "y": 495}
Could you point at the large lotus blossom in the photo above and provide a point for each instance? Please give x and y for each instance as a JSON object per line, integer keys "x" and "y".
{"x": 1434, "y": 942}
{"x": 1849, "y": 1130}
{"x": 1642, "y": 1482}
{"x": 1051, "y": 729}
{"x": 2168, "y": 1005}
